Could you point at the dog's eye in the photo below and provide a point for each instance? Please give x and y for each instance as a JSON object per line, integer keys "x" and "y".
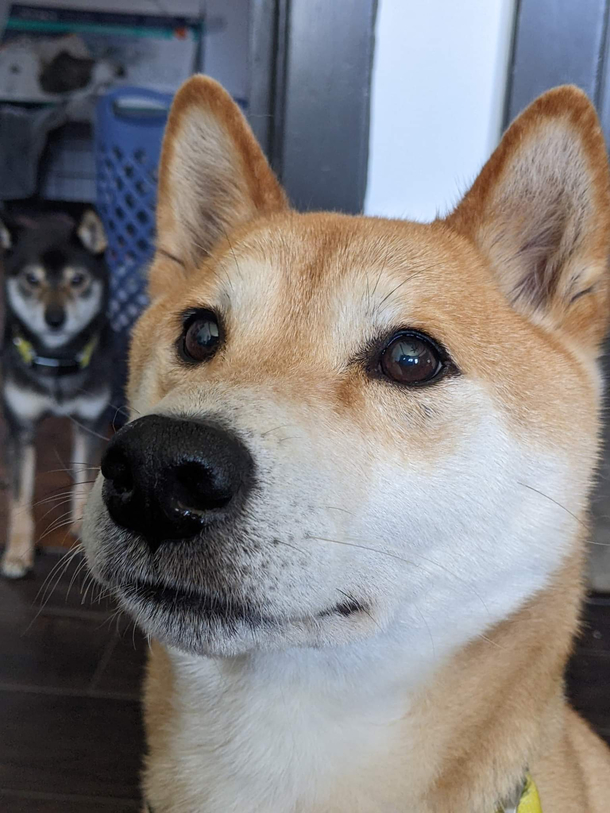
{"x": 201, "y": 336}
{"x": 32, "y": 279}
{"x": 77, "y": 280}
{"x": 411, "y": 358}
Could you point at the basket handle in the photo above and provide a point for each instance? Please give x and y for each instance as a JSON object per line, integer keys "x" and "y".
{"x": 135, "y": 104}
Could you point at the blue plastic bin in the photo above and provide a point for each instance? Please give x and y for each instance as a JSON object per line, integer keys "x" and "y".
{"x": 128, "y": 134}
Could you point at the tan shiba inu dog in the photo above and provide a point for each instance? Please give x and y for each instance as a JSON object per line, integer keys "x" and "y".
{"x": 351, "y": 507}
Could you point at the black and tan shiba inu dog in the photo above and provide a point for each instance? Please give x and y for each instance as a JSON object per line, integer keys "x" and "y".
{"x": 56, "y": 358}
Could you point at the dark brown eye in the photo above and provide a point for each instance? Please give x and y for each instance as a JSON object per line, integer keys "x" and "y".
{"x": 32, "y": 279}
{"x": 77, "y": 280}
{"x": 411, "y": 358}
{"x": 201, "y": 337}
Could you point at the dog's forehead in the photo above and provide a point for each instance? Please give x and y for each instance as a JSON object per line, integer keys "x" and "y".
{"x": 333, "y": 269}
{"x": 315, "y": 252}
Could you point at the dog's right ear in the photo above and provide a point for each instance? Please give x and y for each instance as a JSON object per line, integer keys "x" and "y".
{"x": 213, "y": 177}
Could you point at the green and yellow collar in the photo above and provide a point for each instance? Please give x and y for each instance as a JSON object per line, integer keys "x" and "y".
{"x": 53, "y": 365}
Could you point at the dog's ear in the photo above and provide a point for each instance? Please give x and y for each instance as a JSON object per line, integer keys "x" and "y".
{"x": 213, "y": 177}
{"x": 91, "y": 232}
{"x": 540, "y": 211}
{"x": 6, "y": 238}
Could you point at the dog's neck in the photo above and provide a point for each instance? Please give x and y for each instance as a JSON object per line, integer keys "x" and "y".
{"x": 302, "y": 729}
{"x": 15, "y": 327}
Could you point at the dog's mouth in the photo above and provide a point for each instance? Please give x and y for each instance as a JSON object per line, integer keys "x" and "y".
{"x": 213, "y": 607}
{"x": 217, "y": 608}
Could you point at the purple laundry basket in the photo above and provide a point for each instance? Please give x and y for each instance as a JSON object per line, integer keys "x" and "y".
{"x": 128, "y": 133}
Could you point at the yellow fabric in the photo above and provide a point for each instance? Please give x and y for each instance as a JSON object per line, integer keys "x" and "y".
{"x": 25, "y": 349}
{"x": 530, "y": 801}
{"x": 85, "y": 356}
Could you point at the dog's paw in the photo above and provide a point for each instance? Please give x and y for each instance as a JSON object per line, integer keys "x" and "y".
{"x": 15, "y": 567}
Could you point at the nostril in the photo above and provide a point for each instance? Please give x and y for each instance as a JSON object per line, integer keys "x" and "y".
{"x": 197, "y": 490}
{"x": 119, "y": 473}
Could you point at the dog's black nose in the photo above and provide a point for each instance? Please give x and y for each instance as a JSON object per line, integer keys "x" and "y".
{"x": 55, "y": 316}
{"x": 167, "y": 478}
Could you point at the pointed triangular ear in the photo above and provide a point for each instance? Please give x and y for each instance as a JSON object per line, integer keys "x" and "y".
{"x": 213, "y": 177}
{"x": 91, "y": 233}
{"x": 540, "y": 211}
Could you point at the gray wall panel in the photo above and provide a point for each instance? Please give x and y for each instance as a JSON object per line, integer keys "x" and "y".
{"x": 325, "y": 131}
{"x": 263, "y": 46}
{"x": 556, "y": 42}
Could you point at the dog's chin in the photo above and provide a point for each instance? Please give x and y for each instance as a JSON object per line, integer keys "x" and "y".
{"x": 223, "y": 626}
{"x": 52, "y": 339}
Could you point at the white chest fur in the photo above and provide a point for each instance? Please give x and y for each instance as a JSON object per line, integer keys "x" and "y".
{"x": 274, "y": 734}
{"x": 32, "y": 406}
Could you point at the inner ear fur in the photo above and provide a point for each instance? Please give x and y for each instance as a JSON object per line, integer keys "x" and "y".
{"x": 91, "y": 232}
{"x": 213, "y": 177}
{"x": 540, "y": 212}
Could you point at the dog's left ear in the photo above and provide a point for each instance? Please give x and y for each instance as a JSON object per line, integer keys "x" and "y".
{"x": 540, "y": 212}
{"x": 213, "y": 177}
{"x": 91, "y": 232}
{"x": 6, "y": 238}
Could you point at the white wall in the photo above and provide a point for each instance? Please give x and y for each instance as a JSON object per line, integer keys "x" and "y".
{"x": 438, "y": 87}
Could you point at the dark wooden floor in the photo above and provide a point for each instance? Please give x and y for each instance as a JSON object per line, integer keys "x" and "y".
{"x": 70, "y": 672}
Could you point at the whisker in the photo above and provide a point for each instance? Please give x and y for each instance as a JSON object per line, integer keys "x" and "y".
{"x": 294, "y": 547}
{"x": 275, "y": 429}
{"x": 336, "y": 508}
{"x": 423, "y": 618}
{"x": 62, "y": 522}
{"x": 75, "y": 575}
{"x": 57, "y": 572}
{"x": 55, "y": 506}
{"x": 46, "y": 500}
{"x": 58, "y": 456}
{"x": 558, "y": 504}
{"x": 70, "y": 470}
{"x": 408, "y": 562}
{"x": 377, "y": 283}
{"x": 87, "y": 429}
{"x": 123, "y": 409}
{"x": 63, "y": 563}
{"x": 234, "y": 256}
{"x": 404, "y": 282}
{"x": 77, "y": 488}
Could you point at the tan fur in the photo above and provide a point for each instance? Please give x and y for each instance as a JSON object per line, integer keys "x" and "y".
{"x": 515, "y": 283}
{"x": 19, "y": 553}
{"x": 82, "y": 481}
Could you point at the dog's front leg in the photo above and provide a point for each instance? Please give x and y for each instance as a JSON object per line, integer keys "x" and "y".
{"x": 19, "y": 552}
{"x": 87, "y": 442}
